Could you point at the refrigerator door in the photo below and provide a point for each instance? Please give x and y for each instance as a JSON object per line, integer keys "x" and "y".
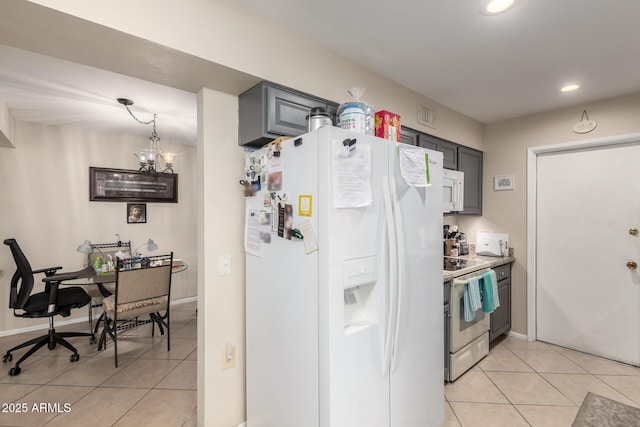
{"x": 353, "y": 281}
{"x": 417, "y": 390}
{"x": 282, "y": 303}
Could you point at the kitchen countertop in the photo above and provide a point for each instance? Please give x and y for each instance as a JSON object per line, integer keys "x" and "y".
{"x": 490, "y": 262}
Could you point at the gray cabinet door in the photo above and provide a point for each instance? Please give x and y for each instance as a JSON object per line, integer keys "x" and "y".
{"x": 287, "y": 112}
{"x": 446, "y": 341}
{"x": 408, "y": 136}
{"x": 501, "y": 317}
{"x": 425, "y": 141}
{"x": 450, "y": 154}
{"x": 448, "y": 149}
{"x": 470, "y": 162}
{"x": 267, "y": 111}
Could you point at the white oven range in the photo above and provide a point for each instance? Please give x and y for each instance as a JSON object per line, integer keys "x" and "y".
{"x": 468, "y": 342}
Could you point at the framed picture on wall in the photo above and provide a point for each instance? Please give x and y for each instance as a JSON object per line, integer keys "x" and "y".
{"x": 136, "y": 213}
{"x": 503, "y": 182}
{"x": 121, "y": 185}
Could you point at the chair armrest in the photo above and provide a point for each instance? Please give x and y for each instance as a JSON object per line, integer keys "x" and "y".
{"x": 49, "y": 271}
{"x": 53, "y": 296}
{"x": 80, "y": 274}
{"x": 53, "y": 282}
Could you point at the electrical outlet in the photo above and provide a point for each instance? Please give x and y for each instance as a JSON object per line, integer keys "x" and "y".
{"x": 224, "y": 265}
{"x": 228, "y": 356}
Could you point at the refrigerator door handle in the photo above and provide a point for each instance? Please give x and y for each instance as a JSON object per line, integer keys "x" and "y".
{"x": 393, "y": 268}
{"x": 400, "y": 253}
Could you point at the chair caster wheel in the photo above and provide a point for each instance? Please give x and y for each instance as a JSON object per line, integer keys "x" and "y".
{"x": 7, "y": 358}
{"x": 74, "y": 357}
{"x": 14, "y": 371}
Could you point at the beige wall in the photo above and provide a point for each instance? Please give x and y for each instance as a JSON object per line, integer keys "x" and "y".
{"x": 506, "y": 146}
{"x": 6, "y": 126}
{"x": 221, "y": 393}
{"x": 44, "y": 204}
{"x": 224, "y": 33}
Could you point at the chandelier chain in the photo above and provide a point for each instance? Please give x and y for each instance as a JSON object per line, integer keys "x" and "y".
{"x": 140, "y": 121}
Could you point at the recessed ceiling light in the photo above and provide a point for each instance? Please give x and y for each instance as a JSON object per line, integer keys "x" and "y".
{"x": 493, "y": 7}
{"x": 570, "y": 88}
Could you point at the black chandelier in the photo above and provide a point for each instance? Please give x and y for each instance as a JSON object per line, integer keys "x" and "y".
{"x": 151, "y": 159}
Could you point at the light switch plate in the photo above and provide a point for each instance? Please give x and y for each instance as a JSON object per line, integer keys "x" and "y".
{"x": 224, "y": 265}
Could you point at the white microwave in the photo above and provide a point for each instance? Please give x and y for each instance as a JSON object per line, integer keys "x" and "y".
{"x": 453, "y": 191}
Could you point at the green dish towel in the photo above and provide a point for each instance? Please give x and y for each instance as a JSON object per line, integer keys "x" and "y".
{"x": 490, "y": 299}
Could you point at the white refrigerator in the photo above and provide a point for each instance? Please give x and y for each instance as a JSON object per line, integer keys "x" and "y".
{"x": 344, "y": 326}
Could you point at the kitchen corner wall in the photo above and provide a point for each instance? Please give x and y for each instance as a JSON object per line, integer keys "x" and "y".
{"x": 44, "y": 204}
{"x": 506, "y": 145}
{"x": 221, "y": 298}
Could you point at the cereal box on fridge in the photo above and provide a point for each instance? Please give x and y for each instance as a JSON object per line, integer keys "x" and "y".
{"x": 387, "y": 125}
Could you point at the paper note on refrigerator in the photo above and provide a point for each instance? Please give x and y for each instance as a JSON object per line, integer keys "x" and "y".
{"x": 257, "y": 231}
{"x": 414, "y": 165}
{"x": 351, "y": 175}
{"x": 310, "y": 241}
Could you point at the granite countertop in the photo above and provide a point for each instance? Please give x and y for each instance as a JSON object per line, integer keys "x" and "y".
{"x": 489, "y": 262}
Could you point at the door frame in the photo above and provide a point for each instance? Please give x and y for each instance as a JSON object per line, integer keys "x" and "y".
{"x": 532, "y": 207}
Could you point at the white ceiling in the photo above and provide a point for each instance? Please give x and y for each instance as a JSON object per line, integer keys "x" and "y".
{"x": 41, "y": 89}
{"x": 487, "y": 67}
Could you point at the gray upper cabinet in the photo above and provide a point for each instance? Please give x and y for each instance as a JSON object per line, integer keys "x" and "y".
{"x": 408, "y": 136}
{"x": 268, "y": 111}
{"x": 470, "y": 162}
{"x": 456, "y": 157}
{"x": 425, "y": 141}
{"x": 448, "y": 149}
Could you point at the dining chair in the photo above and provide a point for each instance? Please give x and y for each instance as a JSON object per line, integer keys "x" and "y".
{"x": 140, "y": 292}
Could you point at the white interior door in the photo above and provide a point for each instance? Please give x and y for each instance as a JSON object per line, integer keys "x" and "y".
{"x": 587, "y": 297}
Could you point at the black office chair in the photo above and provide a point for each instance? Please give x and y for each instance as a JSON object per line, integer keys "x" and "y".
{"x": 52, "y": 302}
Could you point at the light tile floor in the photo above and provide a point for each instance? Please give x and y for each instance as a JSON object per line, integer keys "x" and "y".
{"x": 535, "y": 384}
{"x": 151, "y": 386}
{"x": 519, "y": 383}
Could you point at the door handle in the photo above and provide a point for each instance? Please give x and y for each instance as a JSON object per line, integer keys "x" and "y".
{"x": 632, "y": 265}
{"x": 633, "y": 231}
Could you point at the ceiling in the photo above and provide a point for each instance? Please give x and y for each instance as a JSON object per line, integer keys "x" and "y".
{"x": 489, "y": 68}
{"x": 41, "y": 89}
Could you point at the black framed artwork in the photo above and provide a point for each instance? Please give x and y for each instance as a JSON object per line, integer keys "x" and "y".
{"x": 121, "y": 185}
{"x": 136, "y": 213}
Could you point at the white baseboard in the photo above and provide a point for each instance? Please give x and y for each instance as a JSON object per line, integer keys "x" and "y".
{"x": 518, "y": 336}
{"x": 184, "y": 300}
{"x": 45, "y": 326}
{"x": 243, "y": 424}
